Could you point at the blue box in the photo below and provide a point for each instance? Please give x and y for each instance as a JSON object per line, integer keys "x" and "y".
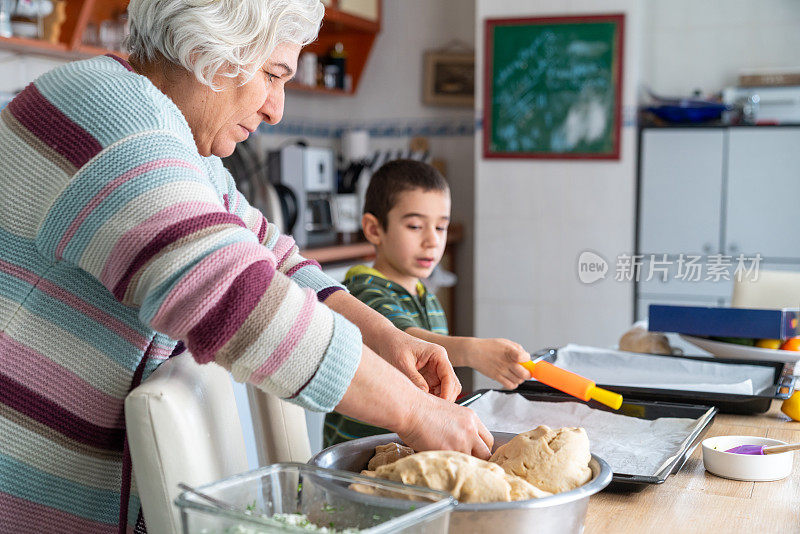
{"x": 725, "y": 322}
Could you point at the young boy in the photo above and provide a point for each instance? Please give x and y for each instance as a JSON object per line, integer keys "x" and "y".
{"x": 406, "y": 214}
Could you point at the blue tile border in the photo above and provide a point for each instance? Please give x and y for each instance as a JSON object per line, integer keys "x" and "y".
{"x": 436, "y": 127}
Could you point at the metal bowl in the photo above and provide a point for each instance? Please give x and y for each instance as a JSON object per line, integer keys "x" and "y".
{"x": 560, "y": 513}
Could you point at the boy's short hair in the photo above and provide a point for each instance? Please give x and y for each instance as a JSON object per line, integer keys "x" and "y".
{"x": 395, "y": 177}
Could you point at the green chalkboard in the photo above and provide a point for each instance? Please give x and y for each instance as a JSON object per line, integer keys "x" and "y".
{"x": 553, "y": 87}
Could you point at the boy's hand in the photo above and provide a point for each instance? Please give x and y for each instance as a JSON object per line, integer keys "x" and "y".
{"x": 425, "y": 364}
{"x": 500, "y": 359}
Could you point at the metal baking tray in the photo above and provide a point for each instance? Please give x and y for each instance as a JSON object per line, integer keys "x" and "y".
{"x": 650, "y": 410}
{"x": 783, "y": 386}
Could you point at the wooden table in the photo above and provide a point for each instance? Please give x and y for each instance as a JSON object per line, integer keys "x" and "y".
{"x": 694, "y": 500}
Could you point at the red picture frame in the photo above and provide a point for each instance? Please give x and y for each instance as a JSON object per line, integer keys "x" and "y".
{"x": 490, "y": 150}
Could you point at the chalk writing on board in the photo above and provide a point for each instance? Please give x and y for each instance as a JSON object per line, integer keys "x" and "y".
{"x": 553, "y": 88}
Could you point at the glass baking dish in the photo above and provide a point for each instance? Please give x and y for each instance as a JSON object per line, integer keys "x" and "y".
{"x": 324, "y": 497}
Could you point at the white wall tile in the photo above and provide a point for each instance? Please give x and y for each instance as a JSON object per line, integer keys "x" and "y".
{"x": 542, "y": 214}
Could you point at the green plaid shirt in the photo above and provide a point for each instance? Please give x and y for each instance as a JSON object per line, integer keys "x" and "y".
{"x": 404, "y": 310}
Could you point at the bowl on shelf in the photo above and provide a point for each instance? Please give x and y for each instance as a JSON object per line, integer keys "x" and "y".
{"x": 691, "y": 112}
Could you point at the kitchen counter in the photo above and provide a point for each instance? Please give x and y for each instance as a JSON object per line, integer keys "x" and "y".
{"x": 694, "y": 500}
{"x": 363, "y": 250}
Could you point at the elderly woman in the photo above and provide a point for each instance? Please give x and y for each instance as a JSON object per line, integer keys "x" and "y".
{"x": 121, "y": 233}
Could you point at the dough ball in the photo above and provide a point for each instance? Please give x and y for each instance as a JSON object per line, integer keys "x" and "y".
{"x": 522, "y": 490}
{"x": 467, "y": 478}
{"x": 553, "y": 460}
{"x": 638, "y": 339}
{"x": 387, "y": 454}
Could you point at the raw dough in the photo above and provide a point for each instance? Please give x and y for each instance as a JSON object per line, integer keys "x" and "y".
{"x": 389, "y": 453}
{"x": 553, "y": 460}
{"x": 467, "y": 478}
{"x": 637, "y": 339}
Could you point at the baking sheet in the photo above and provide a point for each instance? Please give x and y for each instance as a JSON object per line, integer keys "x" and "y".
{"x": 631, "y": 445}
{"x": 618, "y": 368}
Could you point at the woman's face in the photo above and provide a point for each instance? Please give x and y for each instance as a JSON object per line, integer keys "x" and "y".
{"x": 220, "y": 119}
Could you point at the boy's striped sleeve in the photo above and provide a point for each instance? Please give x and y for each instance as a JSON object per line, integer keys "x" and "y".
{"x": 382, "y": 301}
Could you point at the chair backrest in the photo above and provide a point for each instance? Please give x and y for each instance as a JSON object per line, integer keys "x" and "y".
{"x": 280, "y": 428}
{"x": 182, "y": 426}
{"x": 770, "y": 289}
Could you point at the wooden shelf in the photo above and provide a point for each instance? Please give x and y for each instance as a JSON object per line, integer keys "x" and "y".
{"x": 355, "y": 33}
{"x": 35, "y": 46}
{"x": 300, "y": 88}
{"x": 91, "y": 51}
{"x": 70, "y": 44}
{"x": 339, "y": 21}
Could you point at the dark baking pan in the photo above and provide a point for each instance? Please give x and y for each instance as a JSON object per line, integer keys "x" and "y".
{"x": 782, "y": 388}
{"x": 642, "y": 409}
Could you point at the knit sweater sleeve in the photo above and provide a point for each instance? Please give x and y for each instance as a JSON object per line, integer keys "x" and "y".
{"x": 305, "y": 272}
{"x": 146, "y": 220}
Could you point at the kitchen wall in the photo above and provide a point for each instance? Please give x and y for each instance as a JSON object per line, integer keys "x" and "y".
{"x": 689, "y": 44}
{"x": 390, "y": 97}
{"x": 534, "y": 218}
{"x": 389, "y": 100}
{"x": 17, "y": 70}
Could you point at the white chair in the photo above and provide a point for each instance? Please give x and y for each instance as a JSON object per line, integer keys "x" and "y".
{"x": 182, "y": 427}
{"x": 771, "y": 289}
{"x": 279, "y": 427}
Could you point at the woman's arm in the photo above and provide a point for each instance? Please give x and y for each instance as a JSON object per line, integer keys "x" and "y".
{"x": 289, "y": 261}
{"x": 426, "y": 364}
{"x": 381, "y": 396}
{"x": 145, "y": 219}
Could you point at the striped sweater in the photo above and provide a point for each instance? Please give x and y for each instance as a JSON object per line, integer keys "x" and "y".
{"x": 117, "y": 239}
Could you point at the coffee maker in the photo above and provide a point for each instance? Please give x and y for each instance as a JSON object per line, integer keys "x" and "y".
{"x": 309, "y": 173}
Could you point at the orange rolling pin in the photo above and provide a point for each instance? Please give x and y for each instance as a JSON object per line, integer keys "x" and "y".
{"x": 572, "y": 384}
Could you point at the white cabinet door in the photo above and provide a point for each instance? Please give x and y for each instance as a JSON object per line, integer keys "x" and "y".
{"x": 680, "y": 191}
{"x": 763, "y": 192}
{"x": 680, "y": 279}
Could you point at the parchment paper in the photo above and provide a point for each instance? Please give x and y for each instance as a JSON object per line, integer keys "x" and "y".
{"x": 630, "y": 445}
{"x": 613, "y": 367}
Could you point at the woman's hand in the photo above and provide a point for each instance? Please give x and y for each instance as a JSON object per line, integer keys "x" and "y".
{"x": 433, "y": 424}
{"x": 425, "y": 364}
{"x": 499, "y": 359}
{"x": 380, "y": 395}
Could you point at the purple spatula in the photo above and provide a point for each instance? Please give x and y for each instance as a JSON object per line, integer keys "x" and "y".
{"x": 763, "y": 449}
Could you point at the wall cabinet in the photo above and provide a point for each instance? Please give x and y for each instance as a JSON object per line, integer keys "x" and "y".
{"x": 354, "y": 23}
{"x": 763, "y": 193}
{"x": 681, "y": 181}
{"x": 714, "y": 191}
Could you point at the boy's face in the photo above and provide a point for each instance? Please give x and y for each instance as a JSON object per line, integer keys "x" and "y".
{"x": 415, "y": 235}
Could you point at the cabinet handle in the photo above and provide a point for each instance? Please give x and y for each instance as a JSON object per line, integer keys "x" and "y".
{"x": 733, "y": 248}
{"x": 707, "y": 248}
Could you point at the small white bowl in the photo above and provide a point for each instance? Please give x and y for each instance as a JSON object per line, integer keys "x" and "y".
{"x": 759, "y": 468}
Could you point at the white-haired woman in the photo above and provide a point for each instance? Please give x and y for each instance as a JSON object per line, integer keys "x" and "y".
{"x": 121, "y": 232}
